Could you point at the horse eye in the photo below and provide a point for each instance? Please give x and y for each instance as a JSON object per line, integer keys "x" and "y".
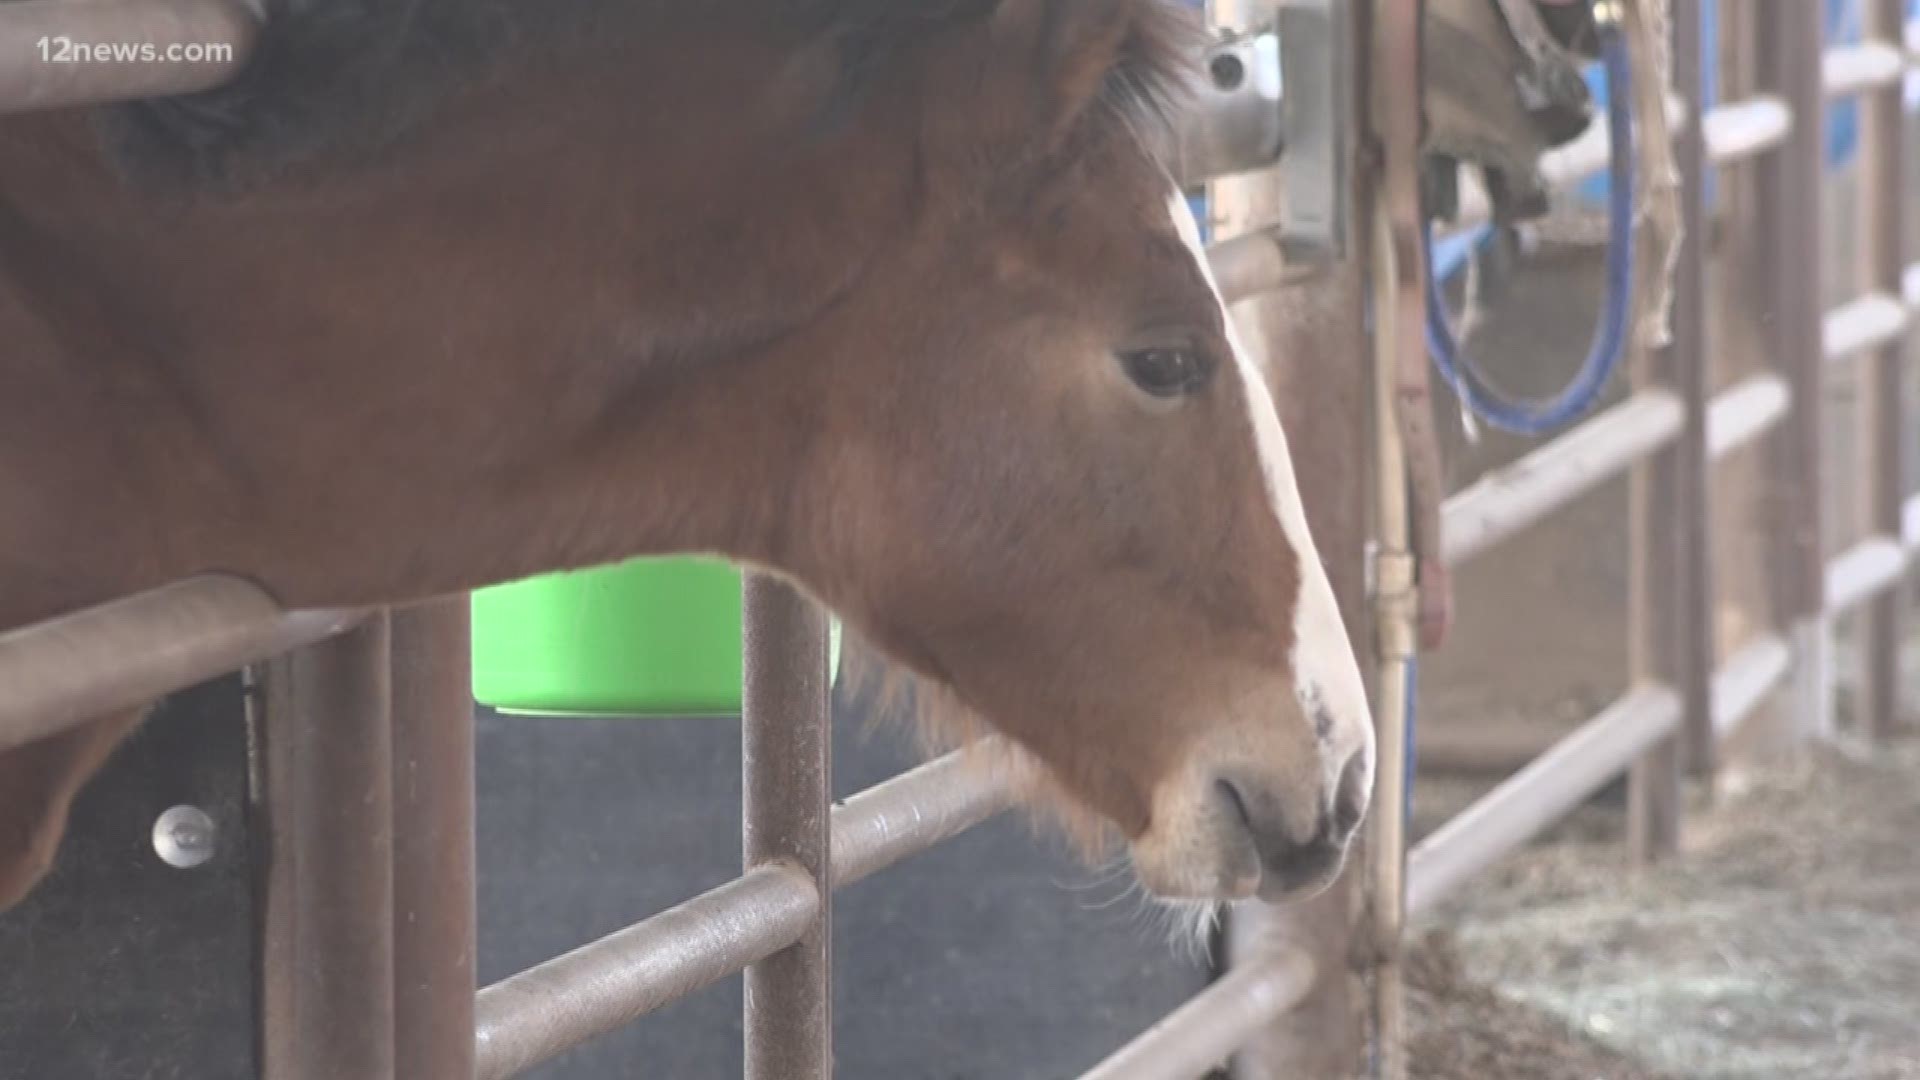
{"x": 1165, "y": 371}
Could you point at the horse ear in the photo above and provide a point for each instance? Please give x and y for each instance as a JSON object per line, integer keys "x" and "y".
{"x": 1021, "y": 79}
{"x": 1065, "y": 49}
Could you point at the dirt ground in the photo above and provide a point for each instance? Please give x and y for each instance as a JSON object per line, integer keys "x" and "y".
{"x": 1783, "y": 943}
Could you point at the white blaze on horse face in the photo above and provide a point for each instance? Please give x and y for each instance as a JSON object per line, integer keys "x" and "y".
{"x": 1326, "y": 675}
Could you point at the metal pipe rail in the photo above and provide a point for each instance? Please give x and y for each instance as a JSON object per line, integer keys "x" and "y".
{"x": 1212, "y": 1024}
{"x": 1863, "y": 571}
{"x": 1745, "y": 129}
{"x": 1538, "y": 795}
{"x": 1857, "y": 69}
{"x": 552, "y": 1007}
{"x": 130, "y": 652}
{"x": 1867, "y": 322}
{"x": 1252, "y": 263}
{"x": 1559, "y": 780}
{"x": 1745, "y": 680}
{"x": 1744, "y": 412}
{"x": 152, "y": 49}
{"x": 1509, "y": 499}
{"x": 912, "y": 812}
{"x": 1521, "y": 494}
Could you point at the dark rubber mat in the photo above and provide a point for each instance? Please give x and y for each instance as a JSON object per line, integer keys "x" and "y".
{"x": 994, "y": 956}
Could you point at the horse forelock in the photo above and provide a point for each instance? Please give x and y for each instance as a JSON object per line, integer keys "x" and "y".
{"x": 1151, "y": 77}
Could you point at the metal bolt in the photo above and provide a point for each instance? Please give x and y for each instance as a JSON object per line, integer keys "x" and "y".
{"x": 1228, "y": 72}
{"x": 183, "y": 837}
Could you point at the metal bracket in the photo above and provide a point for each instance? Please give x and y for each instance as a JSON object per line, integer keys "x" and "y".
{"x": 1317, "y": 62}
{"x": 1395, "y": 577}
{"x": 1285, "y": 96}
{"x": 1240, "y": 126}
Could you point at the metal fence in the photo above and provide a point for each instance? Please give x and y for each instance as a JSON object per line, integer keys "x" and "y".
{"x": 1670, "y": 431}
{"x": 368, "y": 949}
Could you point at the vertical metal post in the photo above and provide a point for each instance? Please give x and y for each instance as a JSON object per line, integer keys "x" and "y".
{"x": 1396, "y": 611}
{"x": 327, "y": 1008}
{"x": 1883, "y": 199}
{"x": 434, "y": 906}
{"x": 786, "y": 745}
{"x": 1401, "y": 405}
{"x": 1788, "y": 217}
{"x": 1654, "y": 794}
{"x": 1686, "y": 361}
{"x": 1668, "y": 610}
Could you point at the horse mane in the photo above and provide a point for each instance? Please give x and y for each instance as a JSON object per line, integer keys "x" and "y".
{"x": 350, "y": 76}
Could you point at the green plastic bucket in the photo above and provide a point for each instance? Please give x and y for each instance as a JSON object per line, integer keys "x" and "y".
{"x": 649, "y": 637}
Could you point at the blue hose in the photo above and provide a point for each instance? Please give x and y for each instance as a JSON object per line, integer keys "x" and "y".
{"x": 1610, "y": 337}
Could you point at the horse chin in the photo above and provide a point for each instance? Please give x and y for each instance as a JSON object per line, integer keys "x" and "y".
{"x": 1234, "y": 876}
{"x": 1208, "y": 861}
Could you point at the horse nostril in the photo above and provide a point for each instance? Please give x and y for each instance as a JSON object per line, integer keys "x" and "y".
{"x": 1231, "y": 794}
{"x": 1350, "y": 797}
{"x": 1262, "y": 817}
{"x": 1287, "y": 865}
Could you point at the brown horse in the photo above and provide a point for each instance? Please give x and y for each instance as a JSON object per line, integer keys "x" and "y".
{"x": 894, "y": 297}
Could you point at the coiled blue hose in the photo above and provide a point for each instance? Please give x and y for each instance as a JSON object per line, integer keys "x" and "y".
{"x": 1610, "y": 336}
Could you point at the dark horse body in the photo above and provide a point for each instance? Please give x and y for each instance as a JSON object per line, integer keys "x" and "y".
{"x": 892, "y": 298}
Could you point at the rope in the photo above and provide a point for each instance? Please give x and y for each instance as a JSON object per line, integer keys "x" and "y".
{"x": 1649, "y": 29}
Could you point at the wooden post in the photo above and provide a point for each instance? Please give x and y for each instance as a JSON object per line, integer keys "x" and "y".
{"x": 1883, "y": 199}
